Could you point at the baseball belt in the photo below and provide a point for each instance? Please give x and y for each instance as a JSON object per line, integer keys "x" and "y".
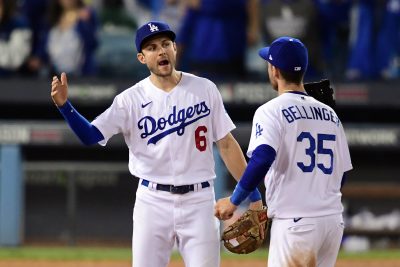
{"x": 180, "y": 189}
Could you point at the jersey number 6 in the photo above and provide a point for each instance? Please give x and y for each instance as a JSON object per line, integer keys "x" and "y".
{"x": 201, "y": 141}
{"x": 310, "y": 151}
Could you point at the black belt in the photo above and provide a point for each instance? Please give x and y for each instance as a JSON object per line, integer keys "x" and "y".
{"x": 180, "y": 189}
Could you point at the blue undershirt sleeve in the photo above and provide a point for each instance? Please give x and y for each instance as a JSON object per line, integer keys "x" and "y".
{"x": 260, "y": 162}
{"x": 86, "y": 132}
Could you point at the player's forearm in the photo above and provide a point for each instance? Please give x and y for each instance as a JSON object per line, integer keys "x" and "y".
{"x": 234, "y": 160}
{"x": 86, "y": 132}
{"x": 232, "y": 155}
{"x": 262, "y": 158}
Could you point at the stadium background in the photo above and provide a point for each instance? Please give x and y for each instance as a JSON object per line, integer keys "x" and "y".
{"x": 56, "y": 192}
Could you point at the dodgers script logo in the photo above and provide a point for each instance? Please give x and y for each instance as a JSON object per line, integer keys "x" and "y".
{"x": 178, "y": 120}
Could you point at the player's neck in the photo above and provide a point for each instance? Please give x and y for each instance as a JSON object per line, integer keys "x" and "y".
{"x": 166, "y": 83}
{"x": 290, "y": 87}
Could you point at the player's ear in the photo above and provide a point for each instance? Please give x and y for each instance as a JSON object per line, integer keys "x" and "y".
{"x": 174, "y": 45}
{"x": 275, "y": 71}
{"x": 141, "y": 58}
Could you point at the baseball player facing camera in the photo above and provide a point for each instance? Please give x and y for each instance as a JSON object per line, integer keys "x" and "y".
{"x": 298, "y": 147}
{"x": 170, "y": 121}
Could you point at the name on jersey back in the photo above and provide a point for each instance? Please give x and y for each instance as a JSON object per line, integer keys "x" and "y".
{"x": 295, "y": 112}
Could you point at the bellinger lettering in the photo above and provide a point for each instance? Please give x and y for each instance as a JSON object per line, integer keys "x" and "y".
{"x": 293, "y": 113}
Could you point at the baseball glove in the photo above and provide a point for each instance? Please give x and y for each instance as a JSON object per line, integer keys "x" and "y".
{"x": 243, "y": 236}
{"x": 321, "y": 91}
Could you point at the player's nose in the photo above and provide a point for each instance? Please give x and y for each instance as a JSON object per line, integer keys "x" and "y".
{"x": 161, "y": 51}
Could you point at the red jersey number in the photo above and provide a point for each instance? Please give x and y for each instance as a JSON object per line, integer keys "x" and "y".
{"x": 200, "y": 138}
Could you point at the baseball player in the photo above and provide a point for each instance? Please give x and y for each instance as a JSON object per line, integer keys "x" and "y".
{"x": 170, "y": 121}
{"x": 299, "y": 148}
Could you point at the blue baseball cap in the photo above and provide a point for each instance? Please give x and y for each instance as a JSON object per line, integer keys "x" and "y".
{"x": 286, "y": 53}
{"x": 150, "y": 29}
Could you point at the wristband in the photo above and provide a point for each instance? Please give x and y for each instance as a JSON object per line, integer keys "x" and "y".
{"x": 66, "y": 107}
{"x": 238, "y": 195}
{"x": 255, "y": 195}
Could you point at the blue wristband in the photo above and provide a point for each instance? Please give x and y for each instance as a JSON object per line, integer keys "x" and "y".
{"x": 239, "y": 194}
{"x": 255, "y": 195}
{"x": 66, "y": 107}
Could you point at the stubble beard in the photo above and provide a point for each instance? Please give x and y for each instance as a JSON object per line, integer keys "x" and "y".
{"x": 160, "y": 73}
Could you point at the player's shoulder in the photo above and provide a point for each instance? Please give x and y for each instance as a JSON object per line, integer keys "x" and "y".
{"x": 272, "y": 104}
{"x": 199, "y": 81}
{"x": 315, "y": 102}
{"x": 267, "y": 109}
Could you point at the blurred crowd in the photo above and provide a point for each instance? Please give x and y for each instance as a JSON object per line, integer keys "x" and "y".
{"x": 348, "y": 40}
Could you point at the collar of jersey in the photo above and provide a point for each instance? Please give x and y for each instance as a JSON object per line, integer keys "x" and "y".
{"x": 297, "y": 93}
{"x": 160, "y": 92}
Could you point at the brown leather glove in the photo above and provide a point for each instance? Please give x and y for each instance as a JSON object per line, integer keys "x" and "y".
{"x": 247, "y": 233}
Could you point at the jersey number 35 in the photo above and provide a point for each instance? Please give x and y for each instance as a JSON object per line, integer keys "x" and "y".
{"x": 310, "y": 151}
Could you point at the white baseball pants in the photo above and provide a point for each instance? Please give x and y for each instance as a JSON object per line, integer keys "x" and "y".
{"x": 305, "y": 242}
{"x": 161, "y": 218}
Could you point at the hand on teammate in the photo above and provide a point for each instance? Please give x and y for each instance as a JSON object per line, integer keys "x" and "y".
{"x": 59, "y": 90}
{"x": 224, "y": 209}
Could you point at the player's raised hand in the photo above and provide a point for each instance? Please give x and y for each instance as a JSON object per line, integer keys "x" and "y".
{"x": 59, "y": 90}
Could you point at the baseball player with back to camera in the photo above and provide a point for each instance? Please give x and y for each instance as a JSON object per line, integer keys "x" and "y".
{"x": 299, "y": 148}
{"x": 169, "y": 121}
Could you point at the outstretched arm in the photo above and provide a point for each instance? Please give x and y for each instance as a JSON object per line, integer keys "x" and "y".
{"x": 87, "y": 133}
{"x": 232, "y": 155}
{"x": 234, "y": 160}
{"x": 262, "y": 158}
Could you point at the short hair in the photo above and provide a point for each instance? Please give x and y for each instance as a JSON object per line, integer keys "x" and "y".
{"x": 292, "y": 77}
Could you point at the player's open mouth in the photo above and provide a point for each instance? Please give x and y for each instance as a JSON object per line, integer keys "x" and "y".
{"x": 163, "y": 62}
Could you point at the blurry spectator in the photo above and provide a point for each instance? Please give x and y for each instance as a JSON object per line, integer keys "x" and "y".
{"x": 71, "y": 39}
{"x": 334, "y": 26}
{"x": 296, "y": 18}
{"x": 361, "y": 58}
{"x": 173, "y": 12}
{"x": 375, "y": 40}
{"x": 35, "y": 11}
{"x": 388, "y": 41}
{"x": 214, "y": 37}
{"x": 140, "y": 10}
{"x": 114, "y": 55}
{"x": 15, "y": 38}
{"x": 114, "y": 13}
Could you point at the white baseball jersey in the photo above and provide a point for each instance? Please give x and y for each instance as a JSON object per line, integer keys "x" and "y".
{"x": 169, "y": 135}
{"x": 312, "y": 155}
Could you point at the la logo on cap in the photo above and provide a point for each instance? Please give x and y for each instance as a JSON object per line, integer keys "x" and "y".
{"x": 153, "y": 28}
{"x": 297, "y": 68}
{"x": 270, "y": 57}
